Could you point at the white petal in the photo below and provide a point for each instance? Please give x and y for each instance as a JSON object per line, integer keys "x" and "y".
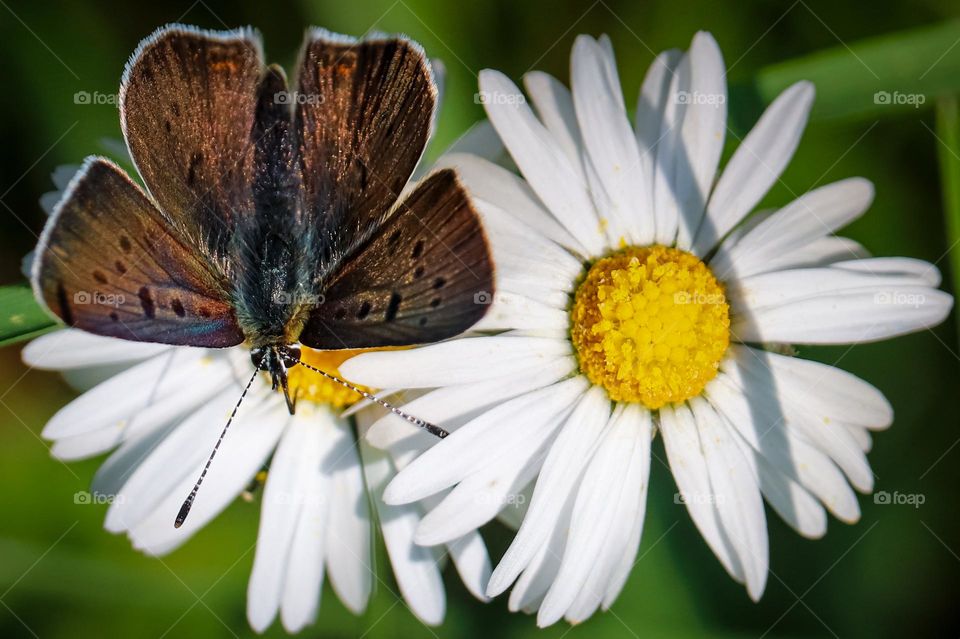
{"x": 454, "y": 405}
{"x": 470, "y": 557}
{"x": 756, "y": 165}
{"x": 569, "y": 455}
{"x": 301, "y": 594}
{"x": 486, "y": 437}
{"x": 658, "y": 130}
{"x": 554, "y": 105}
{"x": 738, "y": 500}
{"x": 241, "y": 455}
{"x": 415, "y": 567}
{"x": 791, "y": 501}
{"x": 480, "y": 140}
{"x": 924, "y": 272}
{"x": 71, "y": 348}
{"x": 611, "y": 148}
{"x": 510, "y": 193}
{"x": 846, "y": 317}
{"x": 827, "y": 251}
{"x": 459, "y": 361}
{"x": 624, "y": 452}
{"x": 808, "y": 218}
{"x": 292, "y": 471}
{"x": 542, "y": 161}
{"x": 689, "y": 467}
{"x": 348, "y": 533}
{"x": 184, "y": 376}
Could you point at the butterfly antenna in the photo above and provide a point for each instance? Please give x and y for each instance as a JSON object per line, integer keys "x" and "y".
{"x": 433, "y": 429}
{"x": 188, "y": 502}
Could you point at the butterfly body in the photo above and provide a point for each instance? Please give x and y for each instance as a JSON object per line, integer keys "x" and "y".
{"x": 271, "y": 217}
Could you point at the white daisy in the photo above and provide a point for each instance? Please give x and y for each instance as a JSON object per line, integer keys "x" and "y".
{"x": 633, "y": 299}
{"x": 162, "y": 408}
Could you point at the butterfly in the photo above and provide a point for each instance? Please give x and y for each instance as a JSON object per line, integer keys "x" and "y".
{"x": 271, "y": 218}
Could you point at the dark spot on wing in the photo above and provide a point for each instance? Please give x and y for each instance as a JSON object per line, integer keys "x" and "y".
{"x": 114, "y": 316}
{"x": 177, "y": 307}
{"x": 418, "y": 272}
{"x": 394, "y": 237}
{"x": 65, "y": 313}
{"x": 439, "y": 283}
{"x": 125, "y": 244}
{"x": 435, "y": 302}
{"x": 417, "y": 250}
{"x": 393, "y": 306}
{"x": 146, "y": 302}
{"x": 364, "y": 310}
{"x": 195, "y": 160}
{"x": 121, "y": 269}
{"x": 203, "y": 311}
{"x": 167, "y": 126}
{"x": 100, "y": 277}
{"x": 423, "y": 321}
{"x": 341, "y": 314}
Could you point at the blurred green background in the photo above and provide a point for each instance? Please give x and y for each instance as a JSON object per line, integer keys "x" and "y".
{"x": 895, "y": 573}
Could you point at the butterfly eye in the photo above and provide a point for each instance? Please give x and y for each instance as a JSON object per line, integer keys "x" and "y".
{"x": 258, "y": 357}
{"x": 290, "y": 355}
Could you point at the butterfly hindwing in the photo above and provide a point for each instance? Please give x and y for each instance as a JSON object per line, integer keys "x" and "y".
{"x": 363, "y": 115}
{"x": 415, "y": 281}
{"x": 109, "y": 263}
{"x": 187, "y": 107}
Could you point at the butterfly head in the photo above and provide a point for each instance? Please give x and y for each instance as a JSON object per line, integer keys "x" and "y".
{"x": 275, "y": 359}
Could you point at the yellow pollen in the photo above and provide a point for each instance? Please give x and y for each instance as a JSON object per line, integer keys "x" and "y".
{"x": 650, "y": 325}
{"x": 306, "y": 385}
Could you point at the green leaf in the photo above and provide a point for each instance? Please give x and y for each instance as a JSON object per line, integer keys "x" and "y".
{"x": 948, "y": 134}
{"x": 891, "y": 74}
{"x": 21, "y": 317}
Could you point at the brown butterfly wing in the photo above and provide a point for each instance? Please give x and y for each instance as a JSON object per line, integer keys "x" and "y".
{"x": 187, "y": 107}
{"x": 426, "y": 275}
{"x": 109, "y": 263}
{"x": 363, "y": 117}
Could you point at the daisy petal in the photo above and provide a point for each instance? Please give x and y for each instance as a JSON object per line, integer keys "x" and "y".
{"x": 568, "y": 456}
{"x": 611, "y": 148}
{"x": 756, "y": 165}
{"x": 541, "y": 160}
{"x": 469, "y": 555}
{"x": 72, "y": 348}
{"x": 734, "y": 483}
{"x": 554, "y": 105}
{"x": 808, "y": 218}
{"x": 689, "y": 467}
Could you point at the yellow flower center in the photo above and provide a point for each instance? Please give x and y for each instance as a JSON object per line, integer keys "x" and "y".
{"x": 307, "y": 385}
{"x": 650, "y": 325}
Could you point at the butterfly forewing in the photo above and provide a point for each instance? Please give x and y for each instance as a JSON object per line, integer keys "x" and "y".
{"x": 188, "y": 101}
{"x": 363, "y": 116}
{"x": 109, "y": 263}
{"x": 426, "y": 275}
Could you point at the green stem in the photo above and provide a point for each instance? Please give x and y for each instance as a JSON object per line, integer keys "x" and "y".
{"x": 948, "y": 130}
